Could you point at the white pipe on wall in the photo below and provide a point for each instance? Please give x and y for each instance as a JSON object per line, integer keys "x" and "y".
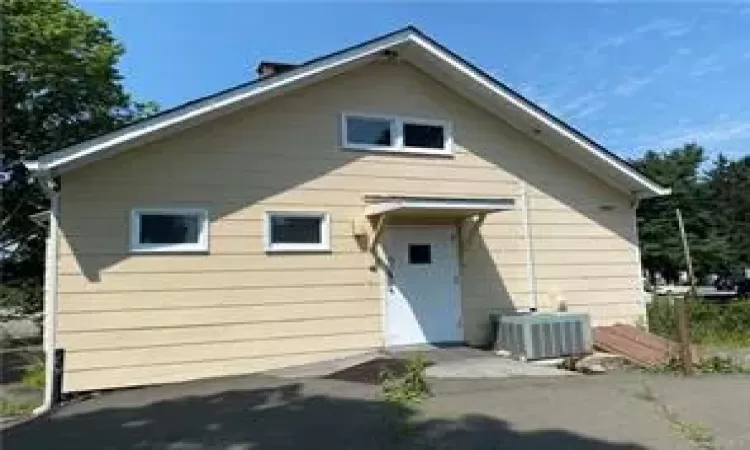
{"x": 50, "y": 295}
{"x": 639, "y": 265}
{"x": 529, "y": 239}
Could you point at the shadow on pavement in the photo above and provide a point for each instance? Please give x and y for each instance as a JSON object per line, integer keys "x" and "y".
{"x": 278, "y": 418}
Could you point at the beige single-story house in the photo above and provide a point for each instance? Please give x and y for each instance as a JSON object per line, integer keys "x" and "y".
{"x": 387, "y": 194}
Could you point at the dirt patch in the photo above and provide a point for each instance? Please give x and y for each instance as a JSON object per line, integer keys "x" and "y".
{"x": 369, "y": 372}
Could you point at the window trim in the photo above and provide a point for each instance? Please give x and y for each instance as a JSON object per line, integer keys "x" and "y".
{"x": 374, "y": 147}
{"x": 286, "y": 247}
{"x": 397, "y": 134}
{"x": 193, "y": 247}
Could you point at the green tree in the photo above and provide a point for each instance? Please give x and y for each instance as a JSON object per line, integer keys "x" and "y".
{"x": 661, "y": 248}
{"x": 60, "y": 86}
{"x": 728, "y": 190}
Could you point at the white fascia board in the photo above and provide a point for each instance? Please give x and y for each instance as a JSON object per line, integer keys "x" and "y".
{"x": 56, "y": 161}
{"x": 520, "y": 104}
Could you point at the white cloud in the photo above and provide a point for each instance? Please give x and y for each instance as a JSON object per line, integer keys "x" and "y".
{"x": 677, "y": 31}
{"x": 684, "y": 51}
{"x": 578, "y": 102}
{"x": 585, "y": 104}
{"x": 631, "y": 85}
{"x": 706, "y": 65}
{"x": 665, "y": 27}
{"x": 588, "y": 110}
{"x": 723, "y": 116}
{"x": 707, "y": 134}
{"x": 668, "y": 28}
{"x": 616, "y": 41}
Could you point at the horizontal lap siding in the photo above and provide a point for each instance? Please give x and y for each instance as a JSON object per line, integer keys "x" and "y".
{"x": 584, "y": 246}
{"x": 158, "y": 372}
{"x": 221, "y": 333}
{"x": 129, "y": 319}
{"x": 587, "y": 261}
{"x": 179, "y": 298}
{"x": 117, "y": 245}
{"x": 240, "y": 263}
{"x": 157, "y": 282}
{"x": 133, "y": 318}
{"x": 235, "y": 304}
{"x": 206, "y": 351}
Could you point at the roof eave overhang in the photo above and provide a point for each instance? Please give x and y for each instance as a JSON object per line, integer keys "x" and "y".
{"x": 656, "y": 192}
{"x": 193, "y": 114}
{"x": 619, "y": 173}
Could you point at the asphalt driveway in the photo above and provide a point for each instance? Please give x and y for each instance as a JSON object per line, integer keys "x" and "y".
{"x": 627, "y": 411}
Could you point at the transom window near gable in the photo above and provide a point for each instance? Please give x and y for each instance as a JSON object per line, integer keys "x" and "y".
{"x": 396, "y": 134}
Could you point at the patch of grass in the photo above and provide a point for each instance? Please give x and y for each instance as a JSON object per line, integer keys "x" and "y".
{"x": 726, "y": 339}
{"x": 700, "y": 435}
{"x": 697, "y": 433}
{"x": 17, "y": 408}
{"x": 725, "y": 325}
{"x": 34, "y": 375}
{"x": 713, "y": 364}
{"x": 718, "y": 364}
{"x": 672, "y": 366}
{"x": 409, "y": 388}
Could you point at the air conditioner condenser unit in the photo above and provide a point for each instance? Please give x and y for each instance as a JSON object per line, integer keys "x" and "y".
{"x": 544, "y": 335}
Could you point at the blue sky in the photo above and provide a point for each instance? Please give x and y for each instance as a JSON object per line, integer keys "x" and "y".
{"x": 632, "y": 76}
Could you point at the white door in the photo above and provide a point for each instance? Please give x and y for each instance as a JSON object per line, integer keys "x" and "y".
{"x": 422, "y": 299}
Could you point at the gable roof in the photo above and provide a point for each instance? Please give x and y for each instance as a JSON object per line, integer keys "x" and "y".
{"x": 409, "y": 44}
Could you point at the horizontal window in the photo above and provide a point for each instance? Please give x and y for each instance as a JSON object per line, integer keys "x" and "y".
{"x": 396, "y": 134}
{"x": 297, "y": 231}
{"x": 418, "y": 135}
{"x": 168, "y": 230}
{"x": 370, "y": 131}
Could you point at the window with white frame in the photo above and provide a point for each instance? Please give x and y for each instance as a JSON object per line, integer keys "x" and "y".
{"x": 297, "y": 231}
{"x": 397, "y": 134}
{"x": 168, "y": 230}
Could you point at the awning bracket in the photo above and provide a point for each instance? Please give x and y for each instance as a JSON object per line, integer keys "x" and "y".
{"x": 377, "y": 232}
{"x": 472, "y": 231}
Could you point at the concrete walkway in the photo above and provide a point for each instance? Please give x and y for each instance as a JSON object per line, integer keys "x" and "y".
{"x": 471, "y": 363}
{"x": 258, "y": 412}
{"x": 496, "y": 367}
{"x": 449, "y": 362}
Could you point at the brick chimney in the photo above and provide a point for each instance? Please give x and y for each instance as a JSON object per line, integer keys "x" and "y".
{"x": 270, "y": 68}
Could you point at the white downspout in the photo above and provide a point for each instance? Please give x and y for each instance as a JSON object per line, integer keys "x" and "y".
{"x": 50, "y": 294}
{"x": 529, "y": 238}
{"x": 639, "y": 264}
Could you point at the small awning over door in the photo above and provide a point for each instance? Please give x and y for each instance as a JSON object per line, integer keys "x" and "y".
{"x": 390, "y": 209}
{"x": 446, "y": 207}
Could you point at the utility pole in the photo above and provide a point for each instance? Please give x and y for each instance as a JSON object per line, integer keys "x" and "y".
{"x": 683, "y": 319}
{"x": 688, "y": 259}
